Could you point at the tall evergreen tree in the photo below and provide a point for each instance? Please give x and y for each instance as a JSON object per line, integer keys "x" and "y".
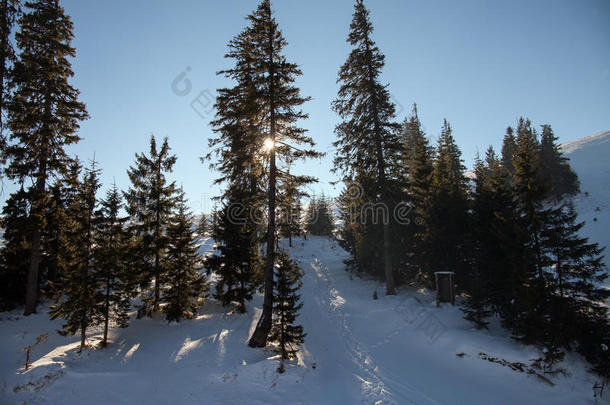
{"x": 417, "y": 173}
{"x": 76, "y": 297}
{"x": 43, "y": 114}
{"x": 9, "y": 10}
{"x": 111, "y": 271}
{"x": 184, "y": 283}
{"x": 238, "y": 262}
{"x": 319, "y": 218}
{"x": 202, "y": 225}
{"x": 278, "y": 115}
{"x": 531, "y": 321}
{"x": 578, "y": 313}
{"x": 286, "y": 306}
{"x": 497, "y": 248}
{"x": 509, "y": 144}
{"x": 448, "y": 218}
{"x": 368, "y": 145}
{"x": 556, "y": 170}
{"x": 238, "y": 157}
{"x": 150, "y": 203}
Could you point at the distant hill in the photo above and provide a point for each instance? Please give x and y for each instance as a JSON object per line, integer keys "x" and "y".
{"x": 590, "y": 158}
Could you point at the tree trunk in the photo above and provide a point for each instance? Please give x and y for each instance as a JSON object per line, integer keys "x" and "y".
{"x": 263, "y": 327}
{"x": 387, "y": 263}
{"x": 106, "y": 313}
{"x": 31, "y": 295}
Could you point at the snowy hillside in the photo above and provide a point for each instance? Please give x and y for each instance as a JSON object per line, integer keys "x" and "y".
{"x": 394, "y": 350}
{"x": 590, "y": 158}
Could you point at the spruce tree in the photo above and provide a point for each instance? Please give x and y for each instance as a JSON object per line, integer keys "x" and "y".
{"x": 319, "y": 217}
{"x": 285, "y": 308}
{"x": 9, "y": 10}
{"x": 77, "y": 294}
{"x": 289, "y": 195}
{"x": 43, "y": 114}
{"x": 184, "y": 283}
{"x": 417, "y": 174}
{"x": 63, "y": 196}
{"x": 509, "y": 144}
{"x": 14, "y": 253}
{"x": 496, "y": 244}
{"x": 368, "y": 145}
{"x": 111, "y": 271}
{"x": 278, "y": 112}
{"x": 556, "y": 170}
{"x": 202, "y": 225}
{"x": 349, "y": 205}
{"x": 531, "y": 320}
{"x": 150, "y": 203}
{"x": 238, "y": 262}
{"x": 476, "y": 307}
{"x": 448, "y": 215}
{"x": 577, "y": 309}
{"x": 238, "y": 157}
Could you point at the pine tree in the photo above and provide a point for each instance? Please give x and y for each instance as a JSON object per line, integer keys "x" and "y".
{"x": 77, "y": 295}
{"x": 476, "y": 307}
{"x": 43, "y": 114}
{"x": 368, "y": 145}
{"x": 184, "y": 283}
{"x": 286, "y": 306}
{"x": 448, "y": 217}
{"x": 63, "y": 195}
{"x": 289, "y": 201}
{"x": 509, "y": 144}
{"x": 278, "y": 101}
{"x": 202, "y": 225}
{"x": 417, "y": 173}
{"x": 111, "y": 271}
{"x": 9, "y": 9}
{"x": 150, "y": 202}
{"x": 14, "y": 254}
{"x": 350, "y": 234}
{"x": 556, "y": 170}
{"x": 238, "y": 263}
{"x": 496, "y": 244}
{"x": 319, "y": 217}
{"x": 531, "y": 320}
{"x": 577, "y": 309}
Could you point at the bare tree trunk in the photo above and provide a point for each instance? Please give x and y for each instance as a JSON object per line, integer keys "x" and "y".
{"x": 31, "y": 295}
{"x": 387, "y": 263}
{"x": 263, "y": 327}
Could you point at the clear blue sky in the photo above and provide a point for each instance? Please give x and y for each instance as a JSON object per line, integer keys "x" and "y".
{"x": 481, "y": 64}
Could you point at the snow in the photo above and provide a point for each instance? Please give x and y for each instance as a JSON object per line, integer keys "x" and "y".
{"x": 590, "y": 158}
{"x": 394, "y": 350}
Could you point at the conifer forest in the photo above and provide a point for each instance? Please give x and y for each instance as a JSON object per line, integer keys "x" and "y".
{"x": 352, "y": 243}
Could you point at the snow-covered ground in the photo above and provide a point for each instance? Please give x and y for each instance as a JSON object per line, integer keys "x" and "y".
{"x": 396, "y": 349}
{"x": 590, "y": 158}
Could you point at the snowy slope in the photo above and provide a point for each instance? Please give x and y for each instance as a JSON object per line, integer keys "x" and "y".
{"x": 590, "y": 158}
{"x": 395, "y": 350}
